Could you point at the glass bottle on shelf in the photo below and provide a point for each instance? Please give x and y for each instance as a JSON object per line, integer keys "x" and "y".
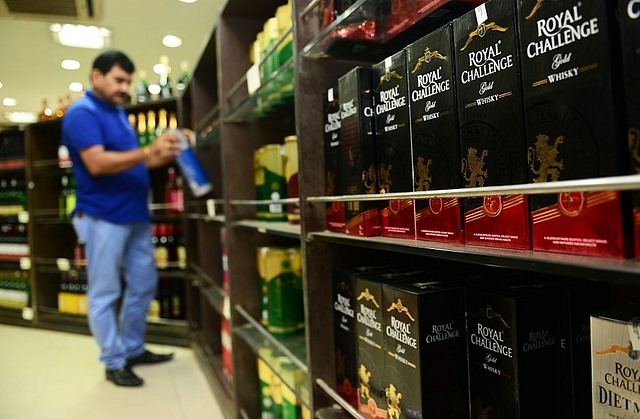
{"x": 174, "y": 194}
{"x": 45, "y": 113}
{"x": 142, "y": 130}
{"x": 151, "y": 127}
{"x": 162, "y": 122}
{"x": 67, "y": 198}
{"x": 183, "y": 80}
{"x": 166, "y": 87}
{"x": 142, "y": 88}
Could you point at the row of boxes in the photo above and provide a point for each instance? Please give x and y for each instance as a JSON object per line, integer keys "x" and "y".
{"x": 513, "y": 92}
{"x": 409, "y": 344}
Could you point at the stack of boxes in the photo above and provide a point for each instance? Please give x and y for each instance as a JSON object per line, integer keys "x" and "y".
{"x": 512, "y": 92}
{"x": 411, "y": 343}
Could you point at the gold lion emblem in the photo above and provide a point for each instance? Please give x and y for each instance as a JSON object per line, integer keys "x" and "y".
{"x": 423, "y": 178}
{"x": 426, "y": 58}
{"x": 634, "y": 145}
{"x": 364, "y": 376}
{"x": 384, "y": 178}
{"x": 536, "y": 7}
{"x": 331, "y": 185}
{"x": 547, "y": 156}
{"x": 481, "y": 31}
{"x": 472, "y": 168}
{"x": 388, "y": 75}
{"x": 369, "y": 179}
{"x": 393, "y": 402}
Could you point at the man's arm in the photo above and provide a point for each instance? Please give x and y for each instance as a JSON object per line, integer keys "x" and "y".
{"x": 99, "y": 161}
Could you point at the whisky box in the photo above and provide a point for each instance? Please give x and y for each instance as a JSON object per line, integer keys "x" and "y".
{"x": 578, "y": 302}
{"x": 514, "y": 358}
{"x": 334, "y": 183}
{"x": 615, "y": 342}
{"x": 491, "y": 118}
{"x": 434, "y": 135}
{"x": 573, "y": 114}
{"x": 630, "y": 32}
{"x": 426, "y": 374}
{"x": 344, "y": 332}
{"x": 358, "y": 150}
{"x": 393, "y": 145}
{"x": 370, "y": 354}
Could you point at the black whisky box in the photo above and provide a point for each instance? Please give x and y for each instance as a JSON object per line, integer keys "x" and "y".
{"x": 345, "y": 306}
{"x": 514, "y": 356}
{"x": 334, "y": 182}
{"x": 578, "y": 302}
{"x": 393, "y": 145}
{"x": 370, "y": 341}
{"x": 615, "y": 350}
{"x": 573, "y": 115}
{"x": 434, "y": 135}
{"x": 358, "y": 150}
{"x": 490, "y": 108}
{"x": 426, "y": 373}
{"x": 630, "y": 31}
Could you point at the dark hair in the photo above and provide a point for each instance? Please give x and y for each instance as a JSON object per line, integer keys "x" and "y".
{"x": 105, "y": 62}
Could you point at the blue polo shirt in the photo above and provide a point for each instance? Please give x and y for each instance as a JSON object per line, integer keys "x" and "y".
{"x": 119, "y": 198}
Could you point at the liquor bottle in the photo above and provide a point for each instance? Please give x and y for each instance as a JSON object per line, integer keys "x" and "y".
{"x": 183, "y": 80}
{"x": 63, "y": 293}
{"x": 151, "y": 127}
{"x": 60, "y": 111}
{"x": 173, "y": 120}
{"x": 162, "y": 122}
{"x": 165, "y": 298}
{"x": 174, "y": 195}
{"x": 142, "y": 88}
{"x": 177, "y": 299}
{"x": 181, "y": 250}
{"x": 161, "y": 250}
{"x": 67, "y": 199}
{"x": 166, "y": 87}
{"x": 79, "y": 259}
{"x": 45, "y": 113}
{"x": 142, "y": 130}
{"x": 171, "y": 244}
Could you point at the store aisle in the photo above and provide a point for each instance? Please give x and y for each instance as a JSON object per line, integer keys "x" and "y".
{"x": 51, "y": 375}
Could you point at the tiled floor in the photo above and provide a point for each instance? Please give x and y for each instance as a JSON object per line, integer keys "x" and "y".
{"x": 51, "y": 375}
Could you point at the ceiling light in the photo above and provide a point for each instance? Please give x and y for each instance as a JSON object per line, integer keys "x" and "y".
{"x": 80, "y": 35}
{"x": 188, "y": 1}
{"x": 9, "y": 101}
{"x": 161, "y": 69}
{"x": 70, "y": 64}
{"x": 0, "y": 85}
{"x": 21, "y": 117}
{"x": 171, "y": 41}
{"x": 76, "y": 87}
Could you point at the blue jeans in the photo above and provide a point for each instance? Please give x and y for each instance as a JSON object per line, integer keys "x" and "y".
{"x": 116, "y": 251}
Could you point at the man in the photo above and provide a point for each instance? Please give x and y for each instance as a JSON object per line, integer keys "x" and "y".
{"x": 112, "y": 216}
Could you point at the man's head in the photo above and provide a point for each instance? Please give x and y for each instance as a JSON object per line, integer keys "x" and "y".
{"x": 111, "y": 76}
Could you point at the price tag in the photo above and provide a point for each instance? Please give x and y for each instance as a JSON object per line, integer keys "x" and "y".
{"x": 253, "y": 79}
{"x": 481, "y": 14}
{"x": 25, "y": 263}
{"x": 634, "y": 333}
{"x": 27, "y": 313}
{"x": 63, "y": 264}
{"x": 211, "y": 208}
{"x": 23, "y": 217}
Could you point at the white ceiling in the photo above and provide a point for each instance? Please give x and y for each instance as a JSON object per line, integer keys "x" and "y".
{"x": 30, "y": 60}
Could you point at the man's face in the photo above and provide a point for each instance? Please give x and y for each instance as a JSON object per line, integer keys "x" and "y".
{"x": 113, "y": 86}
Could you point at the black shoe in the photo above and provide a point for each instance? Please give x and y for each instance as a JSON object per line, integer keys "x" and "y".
{"x": 149, "y": 358}
{"x": 124, "y": 377}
